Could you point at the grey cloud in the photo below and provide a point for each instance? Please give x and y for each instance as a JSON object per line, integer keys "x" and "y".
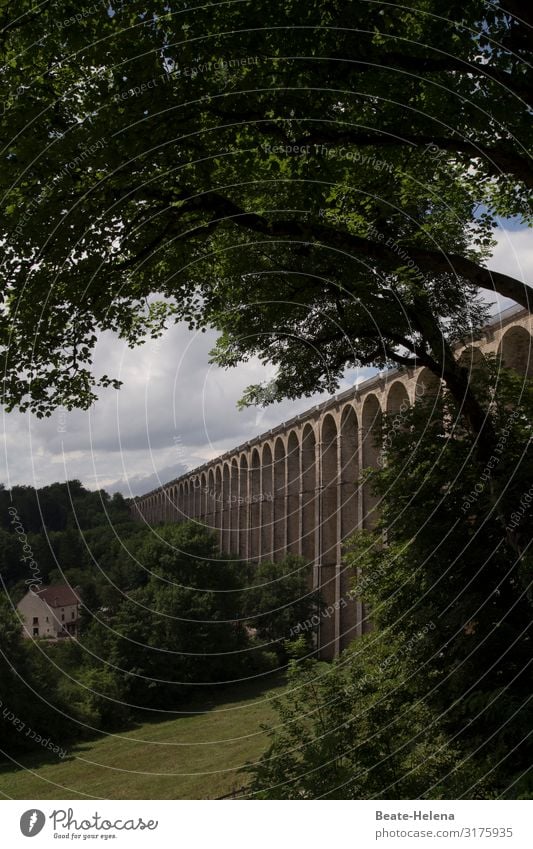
{"x": 173, "y": 413}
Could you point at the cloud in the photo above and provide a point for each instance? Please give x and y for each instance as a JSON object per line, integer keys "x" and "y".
{"x": 174, "y": 412}
{"x": 513, "y": 255}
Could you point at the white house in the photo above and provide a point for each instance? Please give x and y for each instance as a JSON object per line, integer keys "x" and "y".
{"x": 51, "y": 612}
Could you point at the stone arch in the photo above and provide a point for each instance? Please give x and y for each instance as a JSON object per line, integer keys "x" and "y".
{"x": 329, "y": 511}
{"x": 349, "y": 470}
{"x": 427, "y": 386}
{"x": 397, "y": 399}
{"x": 515, "y": 351}
{"x": 280, "y": 499}
{"x": 192, "y": 496}
{"x": 266, "y": 502}
{"x": 175, "y": 508}
{"x": 234, "y": 507}
{"x": 226, "y": 513}
{"x": 198, "y": 497}
{"x": 349, "y": 508}
{"x": 203, "y": 497}
{"x": 244, "y": 506}
{"x": 371, "y": 447}
{"x": 293, "y": 494}
{"x": 329, "y": 532}
{"x": 371, "y": 425}
{"x": 308, "y": 494}
{"x": 218, "y": 505}
{"x": 211, "y": 490}
{"x": 473, "y": 360}
{"x": 255, "y": 505}
{"x": 187, "y": 499}
{"x": 397, "y": 407}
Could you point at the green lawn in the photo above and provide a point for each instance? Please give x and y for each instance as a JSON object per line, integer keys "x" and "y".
{"x": 192, "y": 757}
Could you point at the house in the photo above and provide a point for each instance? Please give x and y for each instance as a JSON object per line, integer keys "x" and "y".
{"x": 51, "y": 612}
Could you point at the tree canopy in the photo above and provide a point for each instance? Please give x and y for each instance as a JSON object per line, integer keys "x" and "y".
{"x": 434, "y": 702}
{"x": 320, "y": 183}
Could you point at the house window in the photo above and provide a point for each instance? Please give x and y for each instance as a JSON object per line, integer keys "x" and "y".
{"x": 72, "y": 615}
{"x": 35, "y": 620}
{"x": 35, "y": 632}
{"x": 47, "y": 619}
{"x": 62, "y": 617}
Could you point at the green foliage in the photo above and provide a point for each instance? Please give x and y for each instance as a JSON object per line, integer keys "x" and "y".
{"x": 33, "y": 698}
{"x": 162, "y": 613}
{"x": 145, "y": 152}
{"x": 355, "y": 730}
{"x": 455, "y": 557}
{"x": 187, "y": 601}
{"x": 436, "y": 701}
{"x": 278, "y": 599}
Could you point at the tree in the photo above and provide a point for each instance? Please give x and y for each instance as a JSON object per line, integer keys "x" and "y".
{"x": 436, "y": 700}
{"x": 278, "y": 600}
{"x": 330, "y": 209}
{"x": 351, "y": 731}
{"x": 185, "y": 627}
{"x": 458, "y": 555}
{"x": 36, "y": 704}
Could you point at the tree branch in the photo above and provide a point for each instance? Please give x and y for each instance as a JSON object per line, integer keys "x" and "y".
{"x": 427, "y": 260}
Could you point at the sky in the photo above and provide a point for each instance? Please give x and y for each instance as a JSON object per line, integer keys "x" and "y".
{"x": 174, "y": 412}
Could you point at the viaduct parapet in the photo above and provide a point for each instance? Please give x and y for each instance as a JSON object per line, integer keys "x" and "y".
{"x": 294, "y": 489}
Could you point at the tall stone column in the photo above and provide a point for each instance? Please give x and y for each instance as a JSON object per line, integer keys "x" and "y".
{"x": 317, "y": 509}
{"x": 244, "y": 510}
{"x": 310, "y": 530}
{"x": 234, "y": 507}
{"x": 329, "y": 518}
{"x": 293, "y": 500}
{"x": 219, "y": 504}
{"x": 266, "y": 503}
{"x": 209, "y": 500}
{"x": 255, "y": 506}
{"x": 197, "y": 497}
{"x": 371, "y": 428}
{"x": 280, "y": 503}
{"x": 350, "y": 607}
{"x": 188, "y": 499}
{"x": 206, "y": 500}
{"x": 226, "y": 508}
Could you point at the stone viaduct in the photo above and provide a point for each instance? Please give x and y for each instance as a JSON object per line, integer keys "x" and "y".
{"x": 293, "y": 489}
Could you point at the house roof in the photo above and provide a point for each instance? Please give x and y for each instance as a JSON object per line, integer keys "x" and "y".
{"x": 59, "y": 595}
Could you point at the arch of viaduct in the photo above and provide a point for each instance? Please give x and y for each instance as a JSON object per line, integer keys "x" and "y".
{"x": 293, "y": 489}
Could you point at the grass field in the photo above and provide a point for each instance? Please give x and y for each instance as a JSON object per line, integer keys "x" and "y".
{"x": 193, "y": 757}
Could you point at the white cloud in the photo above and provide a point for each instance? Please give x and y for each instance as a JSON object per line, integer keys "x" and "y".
{"x": 512, "y": 255}
{"x": 174, "y": 412}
